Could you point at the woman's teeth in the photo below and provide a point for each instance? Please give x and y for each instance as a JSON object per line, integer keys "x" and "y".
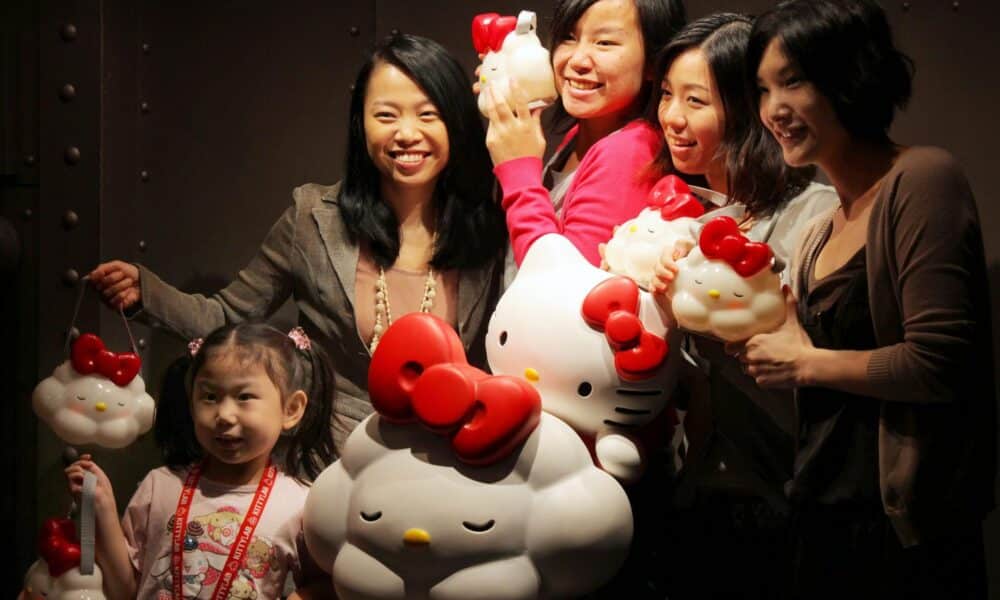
{"x": 409, "y": 157}
{"x": 582, "y": 85}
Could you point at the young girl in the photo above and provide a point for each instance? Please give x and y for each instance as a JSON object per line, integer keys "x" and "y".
{"x": 730, "y": 492}
{"x": 242, "y": 425}
{"x": 889, "y": 344}
{"x": 602, "y": 57}
{"x": 412, "y": 227}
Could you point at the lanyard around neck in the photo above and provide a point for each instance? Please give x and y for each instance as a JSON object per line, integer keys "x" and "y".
{"x": 238, "y": 549}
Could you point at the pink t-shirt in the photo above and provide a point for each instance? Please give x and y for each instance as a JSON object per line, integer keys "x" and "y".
{"x": 216, "y": 513}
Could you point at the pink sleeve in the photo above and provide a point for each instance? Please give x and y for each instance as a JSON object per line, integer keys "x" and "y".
{"x": 609, "y": 187}
{"x": 135, "y": 521}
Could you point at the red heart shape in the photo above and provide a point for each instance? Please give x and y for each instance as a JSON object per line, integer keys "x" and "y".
{"x": 498, "y": 30}
{"x": 681, "y": 205}
{"x": 59, "y": 546}
{"x": 84, "y": 353}
{"x": 414, "y": 343}
{"x": 480, "y": 31}
{"x": 665, "y": 189}
{"x": 120, "y": 368}
{"x": 614, "y": 294}
{"x": 640, "y": 362}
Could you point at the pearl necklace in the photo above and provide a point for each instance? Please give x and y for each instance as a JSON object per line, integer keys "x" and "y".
{"x": 383, "y": 312}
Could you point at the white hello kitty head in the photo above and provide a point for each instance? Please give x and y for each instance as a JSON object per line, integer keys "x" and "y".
{"x": 637, "y": 244}
{"x": 90, "y": 400}
{"x": 728, "y": 287}
{"x": 513, "y": 51}
{"x": 459, "y": 483}
{"x": 538, "y": 332}
{"x": 56, "y": 575}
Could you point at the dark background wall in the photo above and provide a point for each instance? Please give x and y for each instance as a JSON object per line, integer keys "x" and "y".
{"x": 171, "y": 133}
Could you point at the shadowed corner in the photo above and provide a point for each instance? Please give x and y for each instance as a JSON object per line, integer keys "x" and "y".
{"x": 991, "y": 527}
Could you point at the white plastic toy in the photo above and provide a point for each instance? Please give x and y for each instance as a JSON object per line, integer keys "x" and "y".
{"x": 96, "y": 397}
{"x": 460, "y": 487}
{"x": 637, "y": 244}
{"x": 512, "y": 50}
{"x": 728, "y": 287}
{"x": 595, "y": 346}
{"x": 56, "y": 575}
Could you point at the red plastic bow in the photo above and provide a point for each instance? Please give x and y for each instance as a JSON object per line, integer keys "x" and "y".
{"x": 89, "y": 355}
{"x": 59, "y": 545}
{"x": 613, "y": 307}
{"x": 489, "y": 30}
{"x": 419, "y": 373}
{"x": 721, "y": 239}
{"x": 674, "y": 199}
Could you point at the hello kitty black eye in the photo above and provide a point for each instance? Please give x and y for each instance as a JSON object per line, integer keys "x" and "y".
{"x": 503, "y": 338}
{"x": 478, "y": 527}
{"x": 584, "y": 390}
{"x": 651, "y": 230}
{"x": 737, "y": 295}
{"x": 375, "y": 516}
{"x": 80, "y": 398}
{"x": 698, "y": 282}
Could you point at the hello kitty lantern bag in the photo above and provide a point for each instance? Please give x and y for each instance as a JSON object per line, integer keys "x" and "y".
{"x": 512, "y": 50}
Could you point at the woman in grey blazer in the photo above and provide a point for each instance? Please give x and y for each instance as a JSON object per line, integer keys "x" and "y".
{"x": 412, "y": 226}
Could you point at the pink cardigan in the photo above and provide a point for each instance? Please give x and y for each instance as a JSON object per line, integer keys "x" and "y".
{"x": 610, "y": 186}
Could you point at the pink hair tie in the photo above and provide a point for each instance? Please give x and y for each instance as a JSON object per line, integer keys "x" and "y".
{"x": 195, "y": 345}
{"x": 300, "y": 338}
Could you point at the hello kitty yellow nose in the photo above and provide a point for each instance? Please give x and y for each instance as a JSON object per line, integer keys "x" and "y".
{"x": 714, "y": 294}
{"x": 633, "y": 228}
{"x": 482, "y": 79}
{"x": 416, "y": 537}
{"x": 531, "y": 374}
{"x": 101, "y": 407}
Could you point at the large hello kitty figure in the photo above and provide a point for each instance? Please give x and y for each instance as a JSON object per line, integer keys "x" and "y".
{"x": 459, "y": 487}
{"x": 728, "y": 287}
{"x": 56, "y": 575}
{"x": 512, "y": 50}
{"x": 637, "y": 244}
{"x": 96, "y": 397}
{"x": 595, "y": 346}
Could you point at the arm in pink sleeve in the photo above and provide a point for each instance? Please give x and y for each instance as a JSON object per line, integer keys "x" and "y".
{"x": 530, "y": 214}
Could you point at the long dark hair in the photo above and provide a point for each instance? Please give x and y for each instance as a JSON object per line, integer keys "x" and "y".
{"x": 756, "y": 174}
{"x": 845, "y": 49}
{"x": 307, "y": 450}
{"x": 470, "y": 226}
{"x": 658, "y": 19}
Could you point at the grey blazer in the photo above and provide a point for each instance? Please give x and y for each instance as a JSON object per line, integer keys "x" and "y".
{"x": 308, "y": 255}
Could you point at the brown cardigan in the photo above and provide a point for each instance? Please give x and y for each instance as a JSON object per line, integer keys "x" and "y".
{"x": 933, "y": 368}
{"x": 307, "y": 255}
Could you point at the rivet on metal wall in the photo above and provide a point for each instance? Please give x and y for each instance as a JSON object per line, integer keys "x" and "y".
{"x": 145, "y": 48}
{"x": 68, "y": 32}
{"x": 350, "y": 88}
{"x": 141, "y": 343}
{"x": 906, "y": 6}
{"x": 144, "y": 106}
{"x": 954, "y": 5}
{"x": 29, "y": 160}
{"x": 355, "y": 31}
{"x": 394, "y": 32}
{"x": 70, "y": 220}
{"x": 142, "y": 245}
{"x": 70, "y": 277}
{"x": 144, "y": 175}
{"x": 27, "y": 213}
{"x": 72, "y": 155}
{"x": 67, "y": 92}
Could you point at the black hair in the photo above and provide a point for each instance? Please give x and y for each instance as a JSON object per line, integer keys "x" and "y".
{"x": 845, "y": 49}
{"x": 659, "y": 20}
{"x": 756, "y": 174}
{"x": 307, "y": 449}
{"x": 470, "y": 225}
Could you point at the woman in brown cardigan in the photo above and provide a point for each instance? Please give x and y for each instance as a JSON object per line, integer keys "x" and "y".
{"x": 412, "y": 227}
{"x": 889, "y": 344}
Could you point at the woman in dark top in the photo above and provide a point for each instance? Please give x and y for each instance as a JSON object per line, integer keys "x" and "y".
{"x": 890, "y": 342}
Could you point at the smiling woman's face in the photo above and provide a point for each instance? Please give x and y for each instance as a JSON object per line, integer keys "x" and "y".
{"x": 692, "y": 116}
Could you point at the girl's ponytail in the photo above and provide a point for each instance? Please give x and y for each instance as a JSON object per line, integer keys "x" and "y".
{"x": 310, "y": 447}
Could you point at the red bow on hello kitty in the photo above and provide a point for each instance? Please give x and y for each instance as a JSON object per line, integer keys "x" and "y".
{"x": 613, "y": 307}
{"x": 489, "y": 30}
{"x": 59, "y": 546}
{"x": 419, "y": 373}
{"x": 721, "y": 239}
{"x": 89, "y": 356}
{"x": 674, "y": 199}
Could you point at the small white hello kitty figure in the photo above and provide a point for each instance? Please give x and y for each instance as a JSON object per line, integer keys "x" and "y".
{"x": 638, "y": 243}
{"x": 512, "y": 50}
{"x": 56, "y": 574}
{"x": 728, "y": 287}
{"x": 459, "y": 486}
{"x": 595, "y": 346}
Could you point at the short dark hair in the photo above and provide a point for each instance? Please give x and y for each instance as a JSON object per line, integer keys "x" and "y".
{"x": 755, "y": 171}
{"x": 470, "y": 225}
{"x": 845, "y": 49}
{"x": 307, "y": 450}
{"x": 658, "y": 19}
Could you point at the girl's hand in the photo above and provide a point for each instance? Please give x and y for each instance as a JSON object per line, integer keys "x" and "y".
{"x": 118, "y": 282}
{"x": 781, "y": 358}
{"x": 514, "y": 132}
{"x": 666, "y": 270}
{"x": 104, "y": 494}
{"x": 476, "y": 88}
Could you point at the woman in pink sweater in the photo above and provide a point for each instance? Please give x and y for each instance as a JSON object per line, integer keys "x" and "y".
{"x": 602, "y": 51}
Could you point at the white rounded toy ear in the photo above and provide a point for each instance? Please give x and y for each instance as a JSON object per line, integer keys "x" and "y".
{"x": 526, "y": 22}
